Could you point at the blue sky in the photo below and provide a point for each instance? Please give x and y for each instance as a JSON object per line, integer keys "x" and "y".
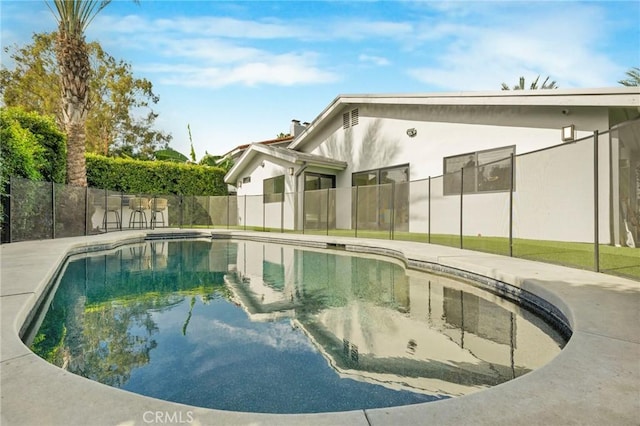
{"x": 240, "y": 71}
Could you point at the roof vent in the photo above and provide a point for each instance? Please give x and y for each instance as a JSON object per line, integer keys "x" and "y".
{"x": 354, "y": 117}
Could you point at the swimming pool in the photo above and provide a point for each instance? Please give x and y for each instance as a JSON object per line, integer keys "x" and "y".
{"x": 253, "y": 326}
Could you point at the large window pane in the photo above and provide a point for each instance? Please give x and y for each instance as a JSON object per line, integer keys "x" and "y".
{"x": 482, "y": 171}
{"x": 273, "y": 189}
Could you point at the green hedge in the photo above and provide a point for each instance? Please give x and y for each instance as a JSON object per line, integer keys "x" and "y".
{"x": 154, "y": 177}
{"x": 31, "y": 146}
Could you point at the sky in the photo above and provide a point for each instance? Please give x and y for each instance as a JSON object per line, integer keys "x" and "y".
{"x": 238, "y": 72}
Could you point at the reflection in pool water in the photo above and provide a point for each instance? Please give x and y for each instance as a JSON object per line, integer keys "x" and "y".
{"x": 252, "y": 326}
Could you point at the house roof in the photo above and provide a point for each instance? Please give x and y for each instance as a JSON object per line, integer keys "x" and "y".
{"x": 624, "y": 97}
{"x": 282, "y": 156}
{"x": 235, "y": 152}
{"x": 613, "y": 97}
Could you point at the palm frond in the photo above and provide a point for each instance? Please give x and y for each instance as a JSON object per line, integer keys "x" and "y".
{"x": 634, "y": 78}
{"x": 74, "y": 16}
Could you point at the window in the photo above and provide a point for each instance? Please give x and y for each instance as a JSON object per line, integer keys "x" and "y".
{"x": 246, "y": 179}
{"x": 394, "y": 174}
{"x": 319, "y": 201}
{"x": 382, "y": 198}
{"x": 313, "y": 181}
{"x": 481, "y": 171}
{"x": 273, "y": 189}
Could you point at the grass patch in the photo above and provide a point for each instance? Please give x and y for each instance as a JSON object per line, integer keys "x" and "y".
{"x": 622, "y": 261}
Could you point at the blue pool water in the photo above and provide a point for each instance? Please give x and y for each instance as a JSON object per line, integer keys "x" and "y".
{"x": 252, "y": 326}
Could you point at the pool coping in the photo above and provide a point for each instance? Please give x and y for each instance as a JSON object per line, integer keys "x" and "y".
{"x": 594, "y": 380}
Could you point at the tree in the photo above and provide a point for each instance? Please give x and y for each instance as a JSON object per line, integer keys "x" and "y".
{"x": 73, "y": 17}
{"x": 192, "y": 154}
{"x": 114, "y": 125}
{"x": 532, "y": 86}
{"x": 633, "y": 79}
{"x": 216, "y": 161}
{"x": 170, "y": 154}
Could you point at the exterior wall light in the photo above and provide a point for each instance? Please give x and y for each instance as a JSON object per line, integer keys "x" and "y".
{"x": 412, "y": 132}
{"x": 291, "y": 171}
{"x": 568, "y": 133}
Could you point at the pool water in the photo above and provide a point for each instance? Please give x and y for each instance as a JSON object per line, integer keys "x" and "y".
{"x": 261, "y": 327}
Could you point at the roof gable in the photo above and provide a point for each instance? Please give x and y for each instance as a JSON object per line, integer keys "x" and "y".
{"x": 283, "y": 156}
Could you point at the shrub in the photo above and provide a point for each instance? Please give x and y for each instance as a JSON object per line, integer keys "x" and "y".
{"x": 31, "y": 146}
{"x": 154, "y": 177}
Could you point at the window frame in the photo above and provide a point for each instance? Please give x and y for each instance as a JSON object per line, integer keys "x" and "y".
{"x": 319, "y": 176}
{"x": 378, "y": 173}
{"x": 273, "y": 189}
{"x": 451, "y": 178}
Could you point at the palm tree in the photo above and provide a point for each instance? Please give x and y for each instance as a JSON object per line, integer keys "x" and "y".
{"x": 73, "y": 18}
{"x": 533, "y": 86}
{"x": 634, "y": 78}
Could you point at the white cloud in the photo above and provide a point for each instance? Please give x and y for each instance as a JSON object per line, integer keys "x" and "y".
{"x": 356, "y": 29}
{"x": 482, "y": 57}
{"x": 211, "y": 52}
{"x": 279, "y": 70}
{"x": 375, "y": 60}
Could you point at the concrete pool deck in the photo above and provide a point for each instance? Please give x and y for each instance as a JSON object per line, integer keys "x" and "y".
{"x": 595, "y": 380}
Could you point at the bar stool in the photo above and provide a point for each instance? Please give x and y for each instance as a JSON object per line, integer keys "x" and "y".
{"x": 157, "y": 205}
{"x": 137, "y": 205}
{"x": 114, "y": 204}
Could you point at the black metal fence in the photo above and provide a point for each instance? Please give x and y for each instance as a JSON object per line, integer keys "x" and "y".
{"x": 576, "y": 204}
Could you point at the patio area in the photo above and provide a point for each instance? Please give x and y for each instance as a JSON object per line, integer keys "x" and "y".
{"x": 595, "y": 380}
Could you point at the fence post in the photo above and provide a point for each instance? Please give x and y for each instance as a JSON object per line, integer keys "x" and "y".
{"x": 304, "y": 210}
{"x": 596, "y": 219}
{"x": 86, "y": 209}
{"x": 511, "y": 207}
{"x": 429, "y": 213}
{"x": 152, "y": 223}
{"x": 122, "y": 210}
{"x": 328, "y": 196}
{"x": 392, "y": 219}
{"x": 104, "y": 216}
{"x": 9, "y": 209}
{"x": 461, "y": 197}
{"x": 245, "y": 212}
{"x": 53, "y": 210}
{"x": 282, "y": 214}
{"x": 356, "y": 219}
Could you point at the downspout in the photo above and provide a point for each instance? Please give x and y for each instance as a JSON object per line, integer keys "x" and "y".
{"x": 295, "y": 192}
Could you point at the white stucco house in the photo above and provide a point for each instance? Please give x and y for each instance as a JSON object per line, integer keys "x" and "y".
{"x": 402, "y": 145}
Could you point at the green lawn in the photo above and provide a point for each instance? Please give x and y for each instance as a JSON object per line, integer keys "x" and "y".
{"x": 623, "y": 261}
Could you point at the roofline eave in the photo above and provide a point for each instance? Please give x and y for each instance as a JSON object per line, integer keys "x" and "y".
{"x": 602, "y": 97}
{"x": 290, "y": 159}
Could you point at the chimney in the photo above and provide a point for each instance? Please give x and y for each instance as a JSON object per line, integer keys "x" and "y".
{"x": 296, "y": 128}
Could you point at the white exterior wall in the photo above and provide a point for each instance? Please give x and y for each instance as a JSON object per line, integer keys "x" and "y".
{"x": 558, "y": 180}
{"x": 553, "y": 199}
{"x": 257, "y": 213}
